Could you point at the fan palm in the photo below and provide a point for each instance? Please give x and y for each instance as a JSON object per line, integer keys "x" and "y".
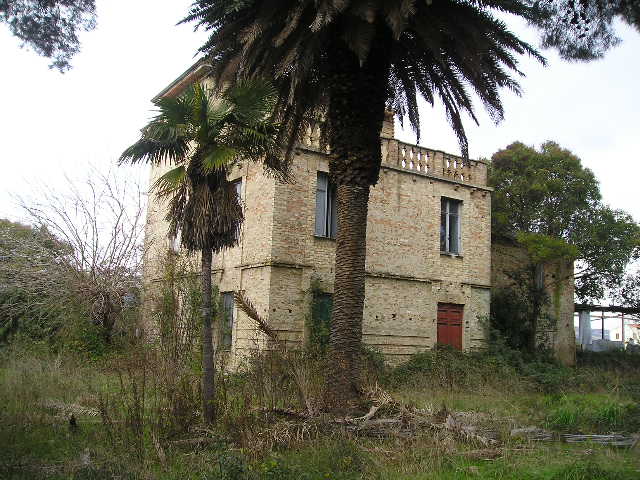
{"x": 202, "y": 136}
{"x": 348, "y": 60}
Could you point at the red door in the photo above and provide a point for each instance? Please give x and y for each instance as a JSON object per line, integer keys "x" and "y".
{"x": 450, "y": 324}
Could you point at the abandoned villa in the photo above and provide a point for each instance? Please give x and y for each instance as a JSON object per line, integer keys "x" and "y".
{"x": 429, "y": 253}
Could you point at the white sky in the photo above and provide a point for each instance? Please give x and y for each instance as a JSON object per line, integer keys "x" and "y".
{"x": 53, "y": 124}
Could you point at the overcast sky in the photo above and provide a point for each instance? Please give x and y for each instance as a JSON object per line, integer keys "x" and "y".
{"x": 53, "y": 124}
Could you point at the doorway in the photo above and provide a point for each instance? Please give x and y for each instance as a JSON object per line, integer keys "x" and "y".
{"x": 450, "y": 324}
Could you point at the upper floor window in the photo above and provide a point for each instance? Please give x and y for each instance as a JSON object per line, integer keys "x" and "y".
{"x": 326, "y": 214}
{"x": 175, "y": 242}
{"x": 237, "y": 185}
{"x": 450, "y": 225}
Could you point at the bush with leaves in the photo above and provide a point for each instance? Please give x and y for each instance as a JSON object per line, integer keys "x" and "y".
{"x": 550, "y": 204}
{"x": 28, "y": 257}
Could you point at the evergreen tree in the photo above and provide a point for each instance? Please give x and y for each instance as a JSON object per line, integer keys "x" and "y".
{"x": 50, "y": 27}
{"x": 584, "y": 29}
{"x": 346, "y": 62}
{"x": 552, "y": 204}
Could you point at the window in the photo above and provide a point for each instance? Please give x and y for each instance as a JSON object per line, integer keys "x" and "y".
{"x": 227, "y": 321}
{"x": 237, "y": 185}
{"x": 320, "y": 325}
{"x": 450, "y": 225}
{"x": 326, "y": 216}
{"x": 175, "y": 242}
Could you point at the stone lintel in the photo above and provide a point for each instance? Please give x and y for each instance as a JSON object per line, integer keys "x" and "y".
{"x": 437, "y": 177}
{"x": 395, "y": 276}
{"x": 247, "y": 266}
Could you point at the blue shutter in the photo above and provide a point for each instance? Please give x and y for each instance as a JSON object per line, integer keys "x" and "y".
{"x": 333, "y": 221}
{"x": 443, "y": 225}
{"x": 321, "y": 204}
{"x": 228, "y": 320}
{"x": 454, "y": 226}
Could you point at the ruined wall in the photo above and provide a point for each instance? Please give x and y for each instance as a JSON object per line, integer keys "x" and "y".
{"x": 559, "y": 288}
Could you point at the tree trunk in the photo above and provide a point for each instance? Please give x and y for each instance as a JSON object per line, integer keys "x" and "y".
{"x": 356, "y": 112}
{"x": 208, "y": 368}
{"x": 348, "y": 301}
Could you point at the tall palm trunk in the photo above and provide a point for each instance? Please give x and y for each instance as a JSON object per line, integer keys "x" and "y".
{"x": 348, "y": 301}
{"x": 208, "y": 369}
{"x": 356, "y": 114}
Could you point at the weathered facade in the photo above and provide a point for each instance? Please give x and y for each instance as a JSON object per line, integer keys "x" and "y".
{"x": 428, "y": 248}
{"x": 556, "y": 330}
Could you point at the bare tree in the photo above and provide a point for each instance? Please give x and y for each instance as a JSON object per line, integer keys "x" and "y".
{"x": 99, "y": 223}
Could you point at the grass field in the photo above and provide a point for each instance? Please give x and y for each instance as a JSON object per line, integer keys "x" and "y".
{"x": 134, "y": 419}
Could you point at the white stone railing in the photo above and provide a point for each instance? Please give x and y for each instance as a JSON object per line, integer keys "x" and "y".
{"x": 415, "y": 158}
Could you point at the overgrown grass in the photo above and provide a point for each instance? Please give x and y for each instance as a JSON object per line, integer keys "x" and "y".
{"x": 592, "y": 413}
{"x": 540, "y": 463}
{"x": 137, "y": 417}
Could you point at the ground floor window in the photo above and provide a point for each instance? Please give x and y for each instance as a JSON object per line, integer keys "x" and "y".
{"x": 228, "y": 318}
{"x": 320, "y": 325}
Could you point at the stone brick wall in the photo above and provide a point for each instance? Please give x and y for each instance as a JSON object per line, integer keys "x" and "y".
{"x": 279, "y": 256}
{"x": 406, "y": 273}
{"x": 559, "y": 287}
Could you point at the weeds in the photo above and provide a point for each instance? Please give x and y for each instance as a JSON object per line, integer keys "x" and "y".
{"x": 595, "y": 413}
{"x": 136, "y": 412}
{"x": 588, "y": 471}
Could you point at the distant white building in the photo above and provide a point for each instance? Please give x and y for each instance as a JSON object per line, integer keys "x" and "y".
{"x": 616, "y": 329}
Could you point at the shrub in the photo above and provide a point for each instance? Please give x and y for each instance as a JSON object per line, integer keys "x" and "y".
{"x": 447, "y": 368}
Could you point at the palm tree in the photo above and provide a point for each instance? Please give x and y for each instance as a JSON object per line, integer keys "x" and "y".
{"x": 347, "y": 61}
{"x": 203, "y": 136}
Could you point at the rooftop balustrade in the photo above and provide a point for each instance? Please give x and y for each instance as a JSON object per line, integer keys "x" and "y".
{"x": 415, "y": 159}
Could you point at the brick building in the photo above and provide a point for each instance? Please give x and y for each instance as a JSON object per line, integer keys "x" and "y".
{"x": 428, "y": 247}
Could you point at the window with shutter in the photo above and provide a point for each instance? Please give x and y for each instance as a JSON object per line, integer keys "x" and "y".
{"x": 237, "y": 185}
{"x": 228, "y": 311}
{"x": 450, "y": 234}
{"x": 326, "y": 209}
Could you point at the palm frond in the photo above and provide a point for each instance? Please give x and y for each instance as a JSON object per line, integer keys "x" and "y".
{"x": 170, "y": 182}
{"x": 217, "y": 157}
{"x": 245, "y": 304}
{"x": 443, "y": 49}
{"x": 154, "y": 152}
